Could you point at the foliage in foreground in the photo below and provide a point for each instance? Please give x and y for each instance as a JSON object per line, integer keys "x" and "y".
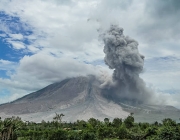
{"x": 15, "y": 129}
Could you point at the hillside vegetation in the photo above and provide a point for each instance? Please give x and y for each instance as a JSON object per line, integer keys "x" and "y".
{"x": 15, "y": 129}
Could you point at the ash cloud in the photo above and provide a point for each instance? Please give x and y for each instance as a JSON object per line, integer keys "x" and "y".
{"x": 122, "y": 55}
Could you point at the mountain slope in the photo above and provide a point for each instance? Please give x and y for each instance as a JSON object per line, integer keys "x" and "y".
{"x": 77, "y": 98}
{"x": 82, "y": 98}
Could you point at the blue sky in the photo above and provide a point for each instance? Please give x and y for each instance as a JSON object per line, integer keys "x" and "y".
{"x": 42, "y": 42}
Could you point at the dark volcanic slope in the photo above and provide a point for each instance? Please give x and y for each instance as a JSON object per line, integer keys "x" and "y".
{"x": 81, "y": 98}
{"x": 45, "y": 92}
{"x": 50, "y": 97}
{"x": 77, "y": 98}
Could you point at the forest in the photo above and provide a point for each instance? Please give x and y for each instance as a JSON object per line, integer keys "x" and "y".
{"x": 126, "y": 129}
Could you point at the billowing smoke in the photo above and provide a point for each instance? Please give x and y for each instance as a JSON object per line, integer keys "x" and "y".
{"x": 122, "y": 55}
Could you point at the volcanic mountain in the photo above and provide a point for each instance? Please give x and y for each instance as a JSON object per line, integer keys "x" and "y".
{"x": 81, "y": 98}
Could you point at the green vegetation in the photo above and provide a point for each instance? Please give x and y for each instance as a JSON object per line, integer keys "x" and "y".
{"x": 15, "y": 129}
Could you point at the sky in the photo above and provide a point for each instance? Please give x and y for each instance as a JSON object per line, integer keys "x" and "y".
{"x": 46, "y": 41}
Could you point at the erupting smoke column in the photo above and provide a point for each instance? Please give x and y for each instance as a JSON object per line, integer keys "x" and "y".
{"x": 122, "y": 55}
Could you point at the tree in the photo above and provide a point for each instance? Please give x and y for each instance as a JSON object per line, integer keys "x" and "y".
{"x": 59, "y": 135}
{"x": 106, "y": 120}
{"x": 168, "y": 122}
{"x": 129, "y": 121}
{"x": 117, "y": 122}
{"x": 81, "y": 124}
{"x": 73, "y": 135}
{"x": 169, "y": 133}
{"x": 89, "y": 135}
{"x": 93, "y": 122}
{"x": 122, "y": 132}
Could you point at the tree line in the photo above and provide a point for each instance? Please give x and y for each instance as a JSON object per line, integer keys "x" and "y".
{"x": 15, "y": 129}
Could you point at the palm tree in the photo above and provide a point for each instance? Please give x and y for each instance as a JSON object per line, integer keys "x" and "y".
{"x": 58, "y": 117}
{"x": 9, "y": 127}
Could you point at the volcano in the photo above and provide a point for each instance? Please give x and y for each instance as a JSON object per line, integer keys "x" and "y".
{"x": 81, "y": 98}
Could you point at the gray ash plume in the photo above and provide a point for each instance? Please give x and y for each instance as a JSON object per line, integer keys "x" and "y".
{"x": 122, "y": 55}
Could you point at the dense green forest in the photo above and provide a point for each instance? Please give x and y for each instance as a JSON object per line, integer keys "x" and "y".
{"x": 15, "y": 129}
